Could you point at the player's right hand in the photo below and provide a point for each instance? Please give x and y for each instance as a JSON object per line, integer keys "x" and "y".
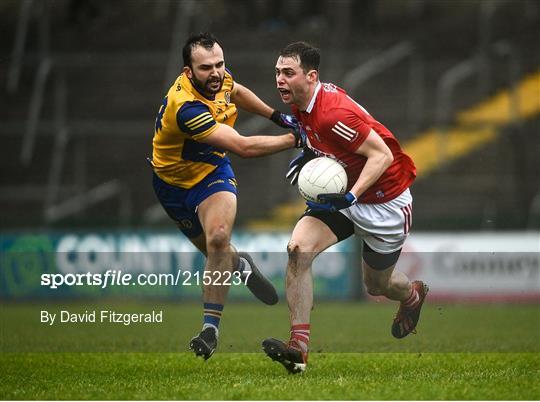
{"x": 298, "y": 163}
{"x": 292, "y": 123}
{"x": 284, "y": 120}
{"x": 333, "y": 202}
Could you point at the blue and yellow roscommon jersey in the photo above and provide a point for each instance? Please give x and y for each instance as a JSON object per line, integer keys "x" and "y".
{"x": 184, "y": 118}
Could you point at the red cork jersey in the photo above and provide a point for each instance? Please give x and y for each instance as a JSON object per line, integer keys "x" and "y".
{"x": 336, "y": 126}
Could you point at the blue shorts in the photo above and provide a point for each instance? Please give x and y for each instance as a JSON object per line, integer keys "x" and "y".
{"x": 181, "y": 204}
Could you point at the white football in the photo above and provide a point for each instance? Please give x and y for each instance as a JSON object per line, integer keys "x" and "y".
{"x": 321, "y": 176}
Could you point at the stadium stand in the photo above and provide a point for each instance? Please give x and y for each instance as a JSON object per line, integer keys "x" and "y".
{"x": 83, "y": 81}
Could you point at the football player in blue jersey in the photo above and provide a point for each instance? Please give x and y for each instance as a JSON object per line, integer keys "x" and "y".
{"x": 193, "y": 179}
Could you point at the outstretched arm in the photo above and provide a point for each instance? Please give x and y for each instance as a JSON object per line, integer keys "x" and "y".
{"x": 225, "y": 137}
{"x": 246, "y": 100}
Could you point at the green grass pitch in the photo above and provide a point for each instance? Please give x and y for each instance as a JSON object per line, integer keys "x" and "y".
{"x": 460, "y": 352}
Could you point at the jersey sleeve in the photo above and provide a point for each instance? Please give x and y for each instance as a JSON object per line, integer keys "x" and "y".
{"x": 347, "y": 128}
{"x": 195, "y": 120}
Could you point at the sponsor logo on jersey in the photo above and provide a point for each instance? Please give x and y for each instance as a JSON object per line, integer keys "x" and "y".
{"x": 227, "y": 97}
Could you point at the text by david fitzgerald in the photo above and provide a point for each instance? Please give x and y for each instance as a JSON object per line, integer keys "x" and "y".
{"x": 101, "y": 316}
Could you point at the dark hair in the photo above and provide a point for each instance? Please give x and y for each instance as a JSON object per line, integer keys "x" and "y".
{"x": 308, "y": 55}
{"x": 204, "y": 39}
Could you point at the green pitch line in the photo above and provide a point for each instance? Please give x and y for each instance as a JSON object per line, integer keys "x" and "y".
{"x": 154, "y": 376}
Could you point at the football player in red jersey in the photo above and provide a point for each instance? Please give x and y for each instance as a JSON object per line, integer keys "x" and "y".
{"x": 377, "y": 204}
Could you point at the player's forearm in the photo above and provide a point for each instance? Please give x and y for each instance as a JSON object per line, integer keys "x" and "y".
{"x": 372, "y": 171}
{"x": 246, "y": 100}
{"x": 259, "y": 145}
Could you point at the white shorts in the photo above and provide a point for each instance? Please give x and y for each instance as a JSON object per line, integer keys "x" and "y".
{"x": 384, "y": 227}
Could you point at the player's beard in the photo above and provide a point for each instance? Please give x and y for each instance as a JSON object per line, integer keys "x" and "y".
{"x": 207, "y": 87}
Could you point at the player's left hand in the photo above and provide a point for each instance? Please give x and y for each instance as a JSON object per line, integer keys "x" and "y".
{"x": 333, "y": 202}
{"x": 296, "y": 165}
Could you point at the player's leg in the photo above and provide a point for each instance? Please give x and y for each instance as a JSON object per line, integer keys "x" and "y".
{"x": 216, "y": 214}
{"x": 384, "y": 228}
{"x": 215, "y": 203}
{"x": 314, "y": 233}
{"x": 181, "y": 205}
{"x": 310, "y": 237}
{"x": 381, "y": 279}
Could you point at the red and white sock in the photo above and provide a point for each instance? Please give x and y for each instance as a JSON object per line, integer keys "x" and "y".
{"x": 413, "y": 299}
{"x": 300, "y": 336}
